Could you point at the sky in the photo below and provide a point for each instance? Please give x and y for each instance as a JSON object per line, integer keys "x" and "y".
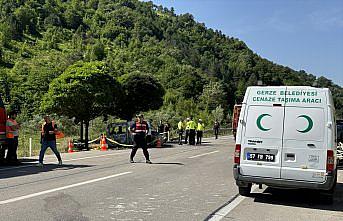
{"x": 301, "y": 34}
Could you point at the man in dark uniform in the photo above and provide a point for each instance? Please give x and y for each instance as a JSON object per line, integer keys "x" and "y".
{"x": 48, "y": 139}
{"x": 139, "y": 130}
{"x": 216, "y": 128}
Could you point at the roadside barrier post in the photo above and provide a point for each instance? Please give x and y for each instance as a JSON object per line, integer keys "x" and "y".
{"x": 30, "y": 147}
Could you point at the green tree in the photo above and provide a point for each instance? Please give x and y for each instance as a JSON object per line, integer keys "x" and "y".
{"x": 241, "y": 88}
{"x": 142, "y": 92}
{"x": 218, "y": 113}
{"x": 84, "y": 91}
{"x": 213, "y": 95}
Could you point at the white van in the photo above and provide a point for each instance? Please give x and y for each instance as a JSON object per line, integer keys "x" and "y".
{"x": 286, "y": 138}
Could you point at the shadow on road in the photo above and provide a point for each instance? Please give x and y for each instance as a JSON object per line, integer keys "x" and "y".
{"x": 300, "y": 198}
{"x": 167, "y": 163}
{"x": 30, "y": 168}
{"x": 181, "y": 164}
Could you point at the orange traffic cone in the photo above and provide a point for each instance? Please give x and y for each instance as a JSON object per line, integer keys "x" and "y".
{"x": 158, "y": 143}
{"x": 70, "y": 146}
{"x": 103, "y": 143}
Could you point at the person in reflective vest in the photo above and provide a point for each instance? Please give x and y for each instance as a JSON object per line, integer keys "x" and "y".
{"x": 200, "y": 129}
{"x": 180, "y": 131}
{"x": 187, "y": 130}
{"x": 139, "y": 130}
{"x": 192, "y": 126}
{"x": 12, "y": 134}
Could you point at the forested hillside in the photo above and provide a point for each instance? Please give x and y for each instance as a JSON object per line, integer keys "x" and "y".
{"x": 202, "y": 70}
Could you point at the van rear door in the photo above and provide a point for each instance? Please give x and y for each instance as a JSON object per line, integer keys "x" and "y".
{"x": 262, "y": 128}
{"x": 304, "y": 148}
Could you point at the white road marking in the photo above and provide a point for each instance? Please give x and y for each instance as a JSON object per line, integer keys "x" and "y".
{"x": 228, "y": 208}
{"x": 61, "y": 188}
{"x": 82, "y": 158}
{"x": 200, "y": 155}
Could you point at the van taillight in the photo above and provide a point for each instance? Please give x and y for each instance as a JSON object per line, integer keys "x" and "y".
{"x": 237, "y": 154}
{"x": 330, "y": 161}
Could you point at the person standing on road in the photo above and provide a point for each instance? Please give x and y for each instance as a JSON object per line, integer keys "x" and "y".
{"x": 12, "y": 134}
{"x": 200, "y": 129}
{"x": 48, "y": 139}
{"x": 187, "y": 130}
{"x": 167, "y": 130}
{"x": 161, "y": 127}
{"x": 216, "y": 128}
{"x": 180, "y": 131}
{"x": 139, "y": 130}
{"x": 192, "y": 127}
{"x": 149, "y": 133}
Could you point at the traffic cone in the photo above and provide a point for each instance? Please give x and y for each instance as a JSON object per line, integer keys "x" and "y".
{"x": 103, "y": 143}
{"x": 70, "y": 146}
{"x": 158, "y": 143}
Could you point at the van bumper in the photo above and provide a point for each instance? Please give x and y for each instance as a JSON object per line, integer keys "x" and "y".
{"x": 243, "y": 181}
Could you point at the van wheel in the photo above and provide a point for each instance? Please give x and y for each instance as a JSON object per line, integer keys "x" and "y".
{"x": 244, "y": 190}
{"x": 328, "y": 195}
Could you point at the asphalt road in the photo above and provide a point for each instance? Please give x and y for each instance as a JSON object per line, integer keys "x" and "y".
{"x": 183, "y": 183}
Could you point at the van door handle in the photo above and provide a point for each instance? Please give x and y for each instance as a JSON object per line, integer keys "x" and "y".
{"x": 311, "y": 145}
{"x": 290, "y": 155}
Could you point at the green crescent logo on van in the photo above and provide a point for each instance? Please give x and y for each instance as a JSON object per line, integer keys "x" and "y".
{"x": 309, "y": 126}
{"x": 258, "y": 122}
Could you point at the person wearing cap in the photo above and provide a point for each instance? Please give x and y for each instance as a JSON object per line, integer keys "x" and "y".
{"x": 139, "y": 130}
{"x": 200, "y": 129}
{"x": 12, "y": 134}
{"x": 187, "y": 130}
{"x": 48, "y": 139}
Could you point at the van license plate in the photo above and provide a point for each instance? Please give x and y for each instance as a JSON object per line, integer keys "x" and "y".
{"x": 261, "y": 157}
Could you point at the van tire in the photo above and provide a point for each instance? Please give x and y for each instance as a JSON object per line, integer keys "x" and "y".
{"x": 327, "y": 196}
{"x": 244, "y": 190}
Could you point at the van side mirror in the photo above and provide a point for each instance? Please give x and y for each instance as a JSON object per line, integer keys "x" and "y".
{"x": 329, "y": 124}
